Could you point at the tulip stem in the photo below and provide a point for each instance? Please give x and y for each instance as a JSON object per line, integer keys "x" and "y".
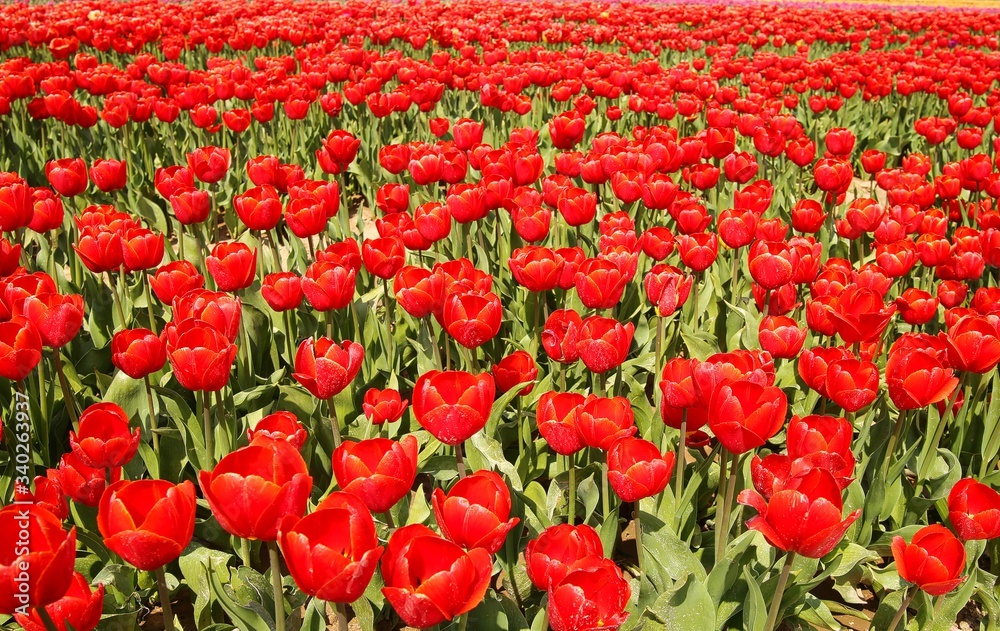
{"x": 930, "y": 451}
{"x": 180, "y": 241}
{"x": 245, "y": 552}
{"x": 149, "y": 303}
{"x": 117, "y": 299}
{"x": 341, "y": 614}
{"x": 390, "y": 317}
{"x": 890, "y": 451}
{"x": 459, "y": 460}
{"x": 68, "y": 398}
{"x": 206, "y": 404}
{"x": 679, "y": 464}
{"x": 727, "y": 508}
{"x": 902, "y": 609}
{"x": 50, "y": 624}
{"x": 605, "y": 494}
{"x": 639, "y": 553}
{"x": 779, "y": 590}
{"x": 152, "y": 416}
{"x": 334, "y": 422}
{"x": 719, "y": 494}
{"x": 571, "y": 509}
{"x": 463, "y": 622}
{"x": 168, "y": 612}
{"x": 279, "y": 597}
{"x": 288, "y": 338}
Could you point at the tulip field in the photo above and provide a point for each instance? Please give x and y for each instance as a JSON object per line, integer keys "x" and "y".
{"x": 499, "y": 316}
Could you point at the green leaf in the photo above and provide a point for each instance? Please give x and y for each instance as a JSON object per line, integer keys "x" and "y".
{"x": 315, "y": 616}
{"x": 499, "y": 405}
{"x": 244, "y": 617}
{"x": 754, "y": 609}
{"x": 486, "y": 452}
{"x": 946, "y": 613}
{"x": 666, "y": 553}
{"x": 194, "y": 564}
{"x": 687, "y": 605}
{"x": 419, "y": 510}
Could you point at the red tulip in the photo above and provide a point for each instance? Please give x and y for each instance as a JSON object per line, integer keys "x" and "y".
{"x": 824, "y": 441}
{"x": 378, "y": 470}
{"x": 168, "y": 180}
{"x": 780, "y": 336}
{"x": 20, "y": 348}
{"x": 325, "y": 368}
{"x": 604, "y": 343}
{"x": 813, "y": 364}
{"x": 772, "y": 263}
{"x": 561, "y": 335}
{"x": 175, "y": 279}
{"x": 282, "y": 291}
{"x": 557, "y": 416}
{"x": 518, "y": 367}
{"x": 600, "y": 284}
{"x": 338, "y": 151}
{"x": 67, "y": 176}
{"x": 453, "y": 405}
{"x": 918, "y": 378}
{"x": 48, "y": 494}
{"x": 560, "y": 549}
{"x": 141, "y": 249}
{"x": 860, "y": 315}
{"x": 430, "y": 580}
{"x": 83, "y": 484}
{"x": 328, "y": 285}
{"x": 852, "y": 384}
{"x": 433, "y": 221}
{"x": 917, "y": 306}
{"x": 147, "y": 522}
{"x": 637, "y": 469}
{"x": 472, "y": 318}
{"x": 80, "y": 609}
{"x": 333, "y": 552}
{"x": 474, "y": 513}
{"x": 594, "y": 596}
{"x": 279, "y": 426}
{"x": 536, "y": 268}
{"x": 417, "y": 290}
{"x": 104, "y": 440}
{"x": 252, "y": 489}
{"x": 383, "y": 257}
{"x": 57, "y": 318}
{"x": 603, "y": 421}
{"x": 200, "y": 356}
{"x": 668, "y": 288}
{"x": 109, "y": 175}
{"x": 933, "y": 560}
{"x": 222, "y": 311}
{"x": 974, "y": 510}
{"x": 100, "y": 249}
{"x": 190, "y": 205}
{"x": 698, "y": 251}
{"x": 745, "y": 415}
{"x": 209, "y": 164}
{"x": 258, "y": 208}
{"x": 46, "y": 557}
{"x": 383, "y": 406}
{"x": 232, "y": 265}
{"x": 577, "y": 206}
{"x": 806, "y": 520}
{"x": 16, "y": 207}
{"x": 974, "y": 344}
